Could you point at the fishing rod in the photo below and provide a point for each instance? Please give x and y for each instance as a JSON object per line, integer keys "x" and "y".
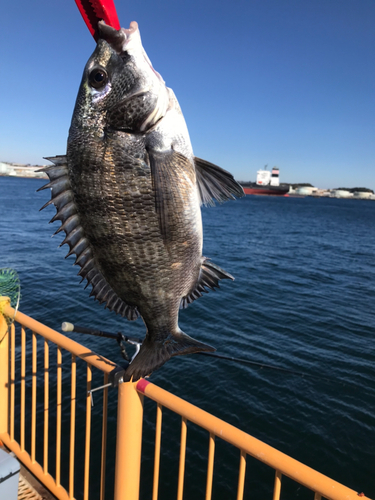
{"x": 137, "y": 342}
{"x": 119, "y": 337}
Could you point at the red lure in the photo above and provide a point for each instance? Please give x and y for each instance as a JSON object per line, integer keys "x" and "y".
{"x": 93, "y": 11}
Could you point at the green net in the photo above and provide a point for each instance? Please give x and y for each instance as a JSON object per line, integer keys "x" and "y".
{"x": 10, "y": 286}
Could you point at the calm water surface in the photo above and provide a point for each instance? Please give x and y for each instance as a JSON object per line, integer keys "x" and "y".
{"x": 303, "y": 299}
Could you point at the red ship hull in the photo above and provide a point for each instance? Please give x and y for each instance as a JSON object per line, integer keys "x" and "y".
{"x": 266, "y": 190}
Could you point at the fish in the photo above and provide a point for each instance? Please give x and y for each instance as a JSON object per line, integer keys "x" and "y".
{"x": 128, "y": 194}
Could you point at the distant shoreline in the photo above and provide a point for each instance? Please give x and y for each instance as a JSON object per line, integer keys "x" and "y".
{"x": 296, "y": 190}
{"x": 41, "y": 175}
{"x": 21, "y": 170}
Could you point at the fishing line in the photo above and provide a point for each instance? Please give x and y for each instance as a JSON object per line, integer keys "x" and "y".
{"x": 119, "y": 337}
{"x": 262, "y": 365}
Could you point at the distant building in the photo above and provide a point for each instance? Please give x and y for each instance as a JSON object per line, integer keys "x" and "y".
{"x": 306, "y": 190}
{"x": 4, "y": 168}
{"x": 341, "y": 193}
{"x": 322, "y": 192}
{"x": 363, "y": 195}
{"x": 302, "y": 190}
{"x": 19, "y": 170}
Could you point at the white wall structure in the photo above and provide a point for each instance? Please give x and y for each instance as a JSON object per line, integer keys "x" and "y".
{"x": 306, "y": 190}
{"x": 362, "y": 195}
{"x": 4, "y": 168}
{"x": 341, "y": 193}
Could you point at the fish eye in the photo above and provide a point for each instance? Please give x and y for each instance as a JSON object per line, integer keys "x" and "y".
{"x": 98, "y": 78}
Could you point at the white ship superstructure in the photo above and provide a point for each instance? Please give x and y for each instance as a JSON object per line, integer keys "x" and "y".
{"x": 267, "y": 178}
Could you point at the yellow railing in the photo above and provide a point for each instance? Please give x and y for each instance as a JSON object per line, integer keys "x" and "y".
{"x": 130, "y": 431}
{"x": 129, "y": 424}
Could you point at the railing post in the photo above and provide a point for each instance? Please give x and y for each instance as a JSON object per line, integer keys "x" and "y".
{"x": 128, "y": 442}
{"x": 4, "y": 369}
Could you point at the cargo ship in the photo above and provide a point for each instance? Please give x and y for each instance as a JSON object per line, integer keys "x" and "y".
{"x": 267, "y": 184}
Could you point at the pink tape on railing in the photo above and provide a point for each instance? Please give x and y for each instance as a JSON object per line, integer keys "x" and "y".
{"x": 142, "y": 384}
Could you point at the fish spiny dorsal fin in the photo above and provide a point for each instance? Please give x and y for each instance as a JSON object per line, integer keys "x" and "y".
{"x": 209, "y": 277}
{"x": 63, "y": 198}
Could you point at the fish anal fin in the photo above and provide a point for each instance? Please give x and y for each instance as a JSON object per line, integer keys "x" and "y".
{"x": 153, "y": 355}
{"x": 209, "y": 277}
{"x": 215, "y": 183}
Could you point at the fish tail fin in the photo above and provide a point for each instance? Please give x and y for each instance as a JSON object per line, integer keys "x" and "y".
{"x": 153, "y": 355}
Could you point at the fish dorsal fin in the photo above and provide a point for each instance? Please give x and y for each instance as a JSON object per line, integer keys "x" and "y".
{"x": 215, "y": 183}
{"x": 168, "y": 169}
{"x": 209, "y": 276}
{"x": 63, "y": 199}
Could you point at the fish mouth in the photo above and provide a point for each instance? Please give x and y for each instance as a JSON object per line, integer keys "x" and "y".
{"x": 126, "y": 40}
{"x": 120, "y": 40}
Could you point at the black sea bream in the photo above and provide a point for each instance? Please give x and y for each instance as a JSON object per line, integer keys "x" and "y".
{"x": 128, "y": 194}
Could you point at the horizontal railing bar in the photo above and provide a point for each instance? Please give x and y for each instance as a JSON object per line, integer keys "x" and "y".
{"x": 73, "y": 347}
{"x": 326, "y": 487}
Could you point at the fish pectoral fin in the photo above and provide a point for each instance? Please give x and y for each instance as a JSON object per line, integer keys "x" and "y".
{"x": 215, "y": 183}
{"x": 209, "y": 277}
{"x": 153, "y": 355}
{"x": 168, "y": 169}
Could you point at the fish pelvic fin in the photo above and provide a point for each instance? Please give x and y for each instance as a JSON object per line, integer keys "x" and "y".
{"x": 208, "y": 279}
{"x": 153, "y": 354}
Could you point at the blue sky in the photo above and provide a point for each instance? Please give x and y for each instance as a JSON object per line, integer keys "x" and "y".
{"x": 289, "y": 83}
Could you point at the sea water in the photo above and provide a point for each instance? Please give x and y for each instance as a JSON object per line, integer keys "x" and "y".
{"x": 303, "y": 299}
